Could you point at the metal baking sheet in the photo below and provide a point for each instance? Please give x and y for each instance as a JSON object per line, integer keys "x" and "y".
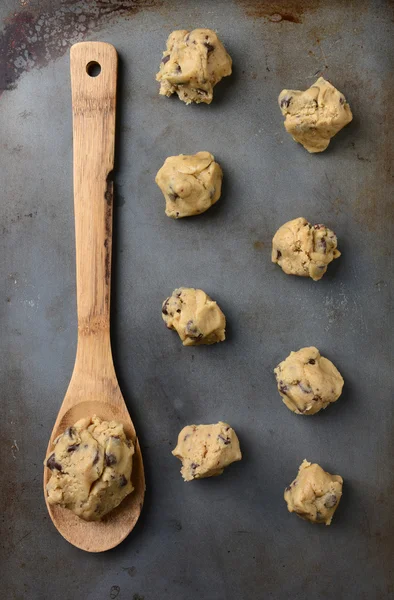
{"x": 228, "y": 537}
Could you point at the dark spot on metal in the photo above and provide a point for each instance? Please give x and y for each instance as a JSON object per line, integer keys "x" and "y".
{"x": 176, "y": 524}
{"x": 257, "y": 245}
{"x": 362, "y": 158}
{"x": 114, "y": 592}
{"x": 130, "y": 571}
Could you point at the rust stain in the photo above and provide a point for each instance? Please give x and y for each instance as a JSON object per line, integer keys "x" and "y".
{"x": 276, "y": 12}
{"x": 33, "y": 38}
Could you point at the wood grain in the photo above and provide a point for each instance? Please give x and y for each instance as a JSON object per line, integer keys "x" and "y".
{"x": 94, "y": 388}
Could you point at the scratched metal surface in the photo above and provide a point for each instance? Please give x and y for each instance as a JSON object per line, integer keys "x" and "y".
{"x": 229, "y": 537}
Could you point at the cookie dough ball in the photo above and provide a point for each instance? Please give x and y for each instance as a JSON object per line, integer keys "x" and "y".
{"x": 205, "y": 450}
{"x": 314, "y": 495}
{"x": 308, "y": 382}
{"x": 91, "y": 468}
{"x": 194, "y": 62}
{"x": 190, "y": 184}
{"x": 195, "y": 316}
{"x": 313, "y": 117}
{"x": 300, "y": 248}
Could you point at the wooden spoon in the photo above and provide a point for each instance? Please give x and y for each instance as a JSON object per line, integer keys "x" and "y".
{"x": 94, "y": 388}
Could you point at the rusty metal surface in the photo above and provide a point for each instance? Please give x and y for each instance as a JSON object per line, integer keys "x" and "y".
{"x": 229, "y": 537}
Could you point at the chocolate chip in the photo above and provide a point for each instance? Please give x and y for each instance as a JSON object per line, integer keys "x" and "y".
{"x": 165, "y": 306}
{"x": 331, "y": 501}
{"x": 227, "y": 428}
{"x": 122, "y": 481}
{"x": 283, "y": 388}
{"x": 225, "y": 441}
{"x": 165, "y": 59}
{"x": 178, "y": 69}
{"x": 304, "y": 388}
{"x": 286, "y": 101}
{"x": 194, "y": 466}
{"x": 311, "y": 361}
{"x": 70, "y": 432}
{"x": 209, "y": 47}
{"x": 278, "y": 254}
{"x": 96, "y": 458}
{"x": 110, "y": 459}
{"x": 72, "y": 448}
{"x": 178, "y": 310}
{"x": 192, "y": 331}
{"x": 52, "y": 464}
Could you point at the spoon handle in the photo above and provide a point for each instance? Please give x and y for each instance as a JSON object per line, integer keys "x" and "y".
{"x": 93, "y": 85}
